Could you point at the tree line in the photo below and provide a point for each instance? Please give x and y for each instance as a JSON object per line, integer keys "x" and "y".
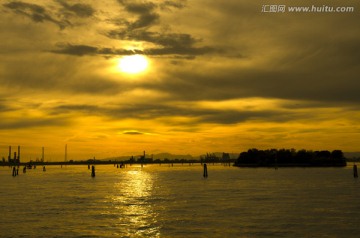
{"x": 291, "y": 157}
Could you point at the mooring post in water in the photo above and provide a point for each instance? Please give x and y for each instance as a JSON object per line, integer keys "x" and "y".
{"x": 205, "y": 171}
{"x": 44, "y": 169}
{"x": 24, "y": 169}
{"x": 355, "y": 171}
{"x": 92, "y": 171}
{"x": 14, "y": 172}
{"x": 88, "y": 166}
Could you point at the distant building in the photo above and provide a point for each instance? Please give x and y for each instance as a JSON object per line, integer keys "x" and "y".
{"x": 225, "y": 156}
{"x": 210, "y": 157}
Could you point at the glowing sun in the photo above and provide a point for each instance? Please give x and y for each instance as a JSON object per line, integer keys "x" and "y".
{"x": 133, "y": 64}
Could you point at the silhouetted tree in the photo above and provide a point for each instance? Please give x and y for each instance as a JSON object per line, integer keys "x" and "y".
{"x": 291, "y": 157}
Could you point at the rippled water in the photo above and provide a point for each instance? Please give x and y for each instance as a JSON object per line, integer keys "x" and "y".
{"x": 163, "y": 201}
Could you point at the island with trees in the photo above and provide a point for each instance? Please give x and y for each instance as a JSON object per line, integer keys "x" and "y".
{"x": 290, "y": 158}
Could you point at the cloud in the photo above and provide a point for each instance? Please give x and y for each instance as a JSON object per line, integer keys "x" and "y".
{"x": 32, "y": 123}
{"x": 4, "y": 106}
{"x": 225, "y": 80}
{"x": 145, "y": 11}
{"x": 167, "y": 5}
{"x": 166, "y": 43}
{"x": 78, "y": 50}
{"x": 133, "y": 132}
{"x": 68, "y": 75}
{"x": 79, "y": 108}
{"x": 79, "y": 9}
{"x": 82, "y": 50}
{"x": 35, "y": 12}
{"x": 197, "y": 115}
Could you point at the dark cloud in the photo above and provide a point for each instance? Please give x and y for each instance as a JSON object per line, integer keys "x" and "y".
{"x": 138, "y": 7}
{"x": 32, "y": 123}
{"x": 87, "y": 109}
{"x": 172, "y": 40}
{"x": 166, "y": 5}
{"x": 35, "y": 12}
{"x": 133, "y": 133}
{"x": 80, "y": 10}
{"x": 78, "y": 50}
{"x": 183, "y": 52}
{"x": 145, "y": 11}
{"x": 4, "y": 106}
{"x": 180, "y": 45}
{"x": 156, "y": 111}
{"x": 166, "y": 43}
{"x": 81, "y": 50}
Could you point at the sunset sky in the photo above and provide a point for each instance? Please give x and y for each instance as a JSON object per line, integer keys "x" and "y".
{"x": 221, "y": 76}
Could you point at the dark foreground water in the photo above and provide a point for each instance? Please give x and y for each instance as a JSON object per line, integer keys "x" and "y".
{"x": 163, "y": 201}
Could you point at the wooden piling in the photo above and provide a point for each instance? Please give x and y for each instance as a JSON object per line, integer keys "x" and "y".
{"x": 24, "y": 169}
{"x": 355, "y": 171}
{"x": 205, "y": 171}
{"x": 44, "y": 169}
{"x": 14, "y": 172}
{"x": 93, "y": 171}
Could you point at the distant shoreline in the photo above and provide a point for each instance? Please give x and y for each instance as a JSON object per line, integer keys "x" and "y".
{"x": 289, "y": 165}
{"x": 99, "y": 162}
{"x": 169, "y": 163}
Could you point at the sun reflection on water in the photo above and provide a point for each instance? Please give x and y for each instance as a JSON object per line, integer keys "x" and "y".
{"x": 131, "y": 199}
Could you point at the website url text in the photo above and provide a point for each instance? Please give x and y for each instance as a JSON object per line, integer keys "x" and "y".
{"x": 309, "y": 9}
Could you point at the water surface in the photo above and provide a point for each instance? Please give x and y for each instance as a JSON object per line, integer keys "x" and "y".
{"x": 163, "y": 201}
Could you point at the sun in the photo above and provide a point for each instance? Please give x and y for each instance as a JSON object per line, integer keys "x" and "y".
{"x": 133, "y": 64}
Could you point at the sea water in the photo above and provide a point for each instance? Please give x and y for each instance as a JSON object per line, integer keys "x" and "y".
{"x": 177, "y": 201}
